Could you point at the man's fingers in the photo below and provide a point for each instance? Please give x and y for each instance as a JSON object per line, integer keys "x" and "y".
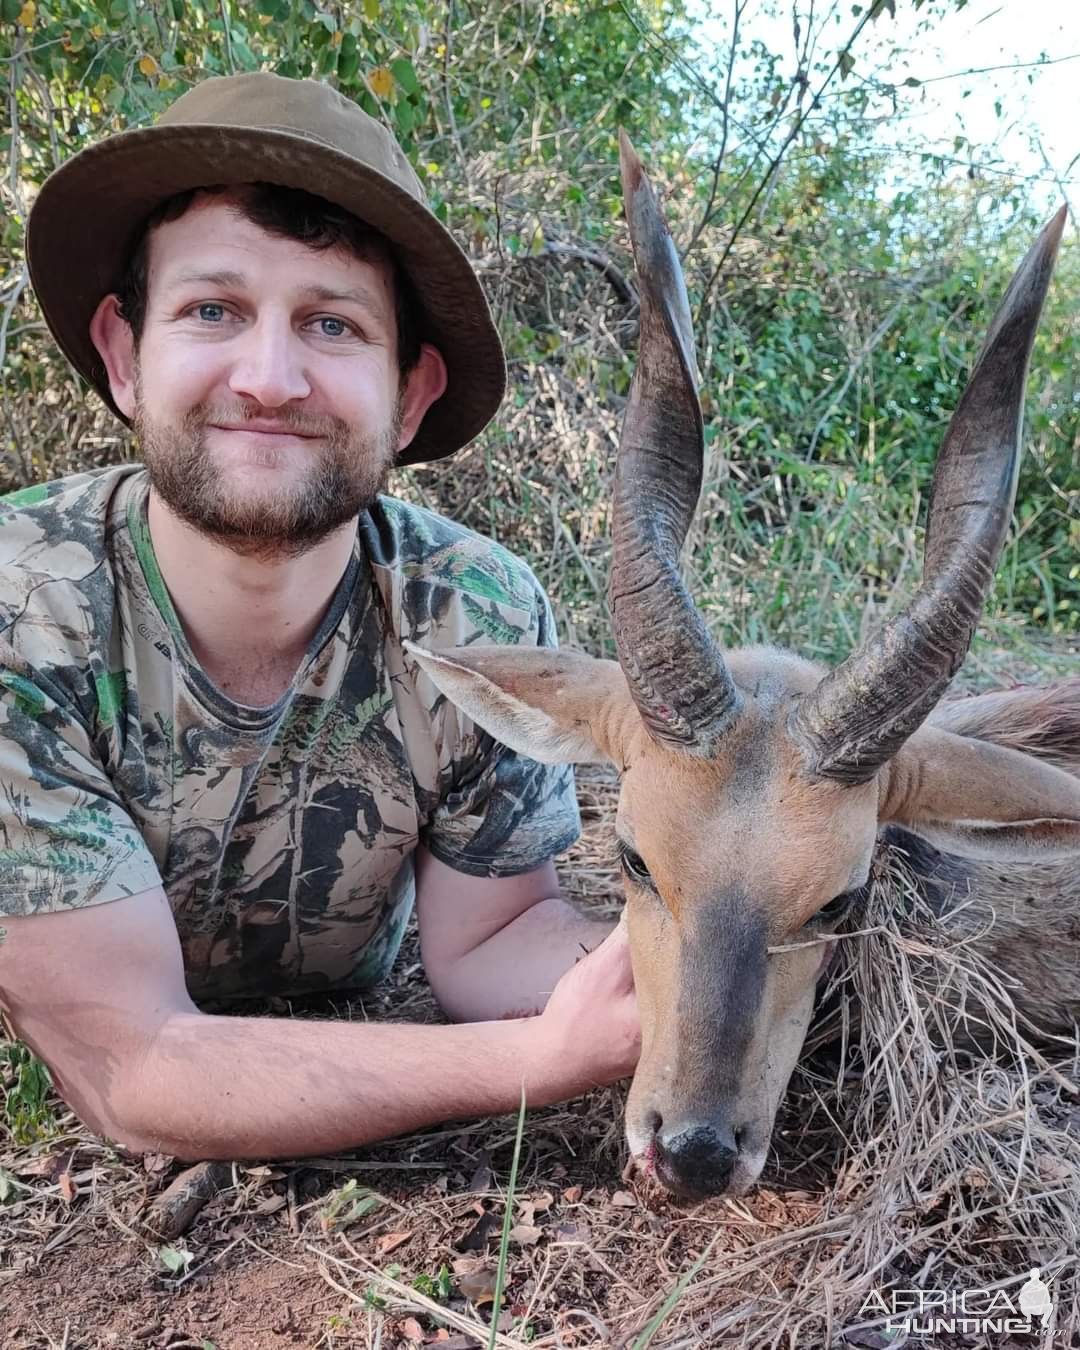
{"x": 614, "y": 954}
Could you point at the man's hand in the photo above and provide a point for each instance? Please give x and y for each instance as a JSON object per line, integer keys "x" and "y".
{"x": 591, "y": 1019}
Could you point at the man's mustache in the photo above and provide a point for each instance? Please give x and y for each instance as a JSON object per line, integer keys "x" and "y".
{"x": 297, "y": 421}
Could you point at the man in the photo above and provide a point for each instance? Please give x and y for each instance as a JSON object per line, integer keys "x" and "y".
{"x": 221, "y": 772}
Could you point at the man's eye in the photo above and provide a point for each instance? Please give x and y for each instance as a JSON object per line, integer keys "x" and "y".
{"x": 634, "y": 864}
{"x": 332, "y": 327}
{"x": 211, "y": 313}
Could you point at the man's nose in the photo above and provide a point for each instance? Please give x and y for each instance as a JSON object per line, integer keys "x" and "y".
{"x": 269, "y": 365}
{"x": 696, "y": 1158}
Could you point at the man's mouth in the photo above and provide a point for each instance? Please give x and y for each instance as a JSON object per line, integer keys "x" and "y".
{"x": 263, "y": 429}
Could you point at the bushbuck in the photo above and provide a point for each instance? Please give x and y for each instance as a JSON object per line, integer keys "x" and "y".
{"x": 754, "y": 788}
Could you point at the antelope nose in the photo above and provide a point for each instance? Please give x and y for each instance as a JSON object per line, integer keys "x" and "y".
{"x": 696, "y": 1160}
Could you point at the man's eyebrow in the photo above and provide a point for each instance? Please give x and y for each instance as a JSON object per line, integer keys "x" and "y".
{"x": 189, "y": 276}
{"x": 227, "y": 279}
{"x": 357, "y": 295}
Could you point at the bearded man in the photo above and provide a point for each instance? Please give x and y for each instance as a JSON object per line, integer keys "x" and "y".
{"x": 223, "y": 776}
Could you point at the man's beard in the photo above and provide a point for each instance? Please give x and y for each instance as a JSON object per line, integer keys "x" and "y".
{"x": 348, "y": 470}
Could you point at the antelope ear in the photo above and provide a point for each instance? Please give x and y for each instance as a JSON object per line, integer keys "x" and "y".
{"x": 981, "y": 800}
{"x": 543, "y": 703}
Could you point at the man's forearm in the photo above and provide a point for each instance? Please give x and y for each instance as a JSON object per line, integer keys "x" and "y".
{"x": 513, "y": 973}
{"x": 236, "y": 1087}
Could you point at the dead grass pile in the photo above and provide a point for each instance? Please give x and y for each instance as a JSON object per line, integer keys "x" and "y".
{"x": 951, "y": 1124}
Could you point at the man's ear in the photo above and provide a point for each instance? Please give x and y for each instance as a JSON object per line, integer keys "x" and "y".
{"x": 111, "y": 334}
{"x": 549, "y": 705}
{"x": 981, "y": 800}
{"x": 423, "y": 385}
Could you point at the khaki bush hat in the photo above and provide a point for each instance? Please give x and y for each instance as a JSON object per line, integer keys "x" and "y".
{"x": 264, "y": 128}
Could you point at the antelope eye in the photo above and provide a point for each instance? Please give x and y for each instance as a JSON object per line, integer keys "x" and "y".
{"x": 634, "y": 864}
{"x": 840, "y": 907}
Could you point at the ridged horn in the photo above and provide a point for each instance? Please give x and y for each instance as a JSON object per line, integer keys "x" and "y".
{"x": 675, "y": 670}
{"x": 860, "y": 714}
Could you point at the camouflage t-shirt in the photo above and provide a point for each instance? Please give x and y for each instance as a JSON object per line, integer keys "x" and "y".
{"x": 282, "y": 835}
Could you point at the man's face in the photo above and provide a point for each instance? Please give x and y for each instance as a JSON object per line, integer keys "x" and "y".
{"x": 267, "y": 389}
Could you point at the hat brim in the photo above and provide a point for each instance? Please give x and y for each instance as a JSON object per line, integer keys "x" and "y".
{"x": 89, "y": 212}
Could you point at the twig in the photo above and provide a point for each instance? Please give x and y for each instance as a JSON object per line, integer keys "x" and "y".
{"x": 228, "y": 36}
{"x": 5, "y": 320}
{"x": 775, "y": 161}
{"x": 407, "y": 1297}
{"x": 706, "y": 215}
{"x": 623, "y": 288}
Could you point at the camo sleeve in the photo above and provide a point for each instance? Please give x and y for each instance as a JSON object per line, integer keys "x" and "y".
{"x": 65, "y": 839}
{"x": 502, "y": 813}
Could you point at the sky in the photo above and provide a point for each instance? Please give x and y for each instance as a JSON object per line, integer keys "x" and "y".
{"x": 1038, "y": 135}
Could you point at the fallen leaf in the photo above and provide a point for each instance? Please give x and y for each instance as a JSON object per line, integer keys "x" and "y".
{"x": 412, "y": 1330}
{"x": 175, "y": 1259}
{"x": 476, "y": 1239}
{"x": 390, "y": 1242}
{"x": 1049, "y": 1169}
{"x": 526, "y": 1234}
{"x": 50, "y": 1166}
{"x": 526, "y": 1212}
{"x": 624, "y": 1200}
{"x": 481, "y": 1178}
{"x": 465, "y": 1265}
{"x": 269, "y": 1204}
{"x": 572, "y": 1195}
{"x": 543, "y": 1202}
{"x": 478, "y": 1286}
{"x": 572, "y": 1232}
{"x": 67, "y": 1187}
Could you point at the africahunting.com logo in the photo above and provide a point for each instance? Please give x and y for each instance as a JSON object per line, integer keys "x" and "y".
{"x": 928, "y": 1312}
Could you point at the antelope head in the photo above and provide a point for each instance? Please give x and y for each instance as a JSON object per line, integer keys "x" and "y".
{"x": 753, "y": 787}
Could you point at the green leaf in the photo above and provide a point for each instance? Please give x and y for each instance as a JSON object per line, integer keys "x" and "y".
{"x": 348, "y": 58}
{"x": 404, "y": 116}
{"x": 405, "y": 75}
{"x": 11, "y": 10}
{"x": 8, "y": 1186}
{"x": 847, "y": 64}
{"x": 174, "y": 1259}
{"x": 371, "y": 10}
